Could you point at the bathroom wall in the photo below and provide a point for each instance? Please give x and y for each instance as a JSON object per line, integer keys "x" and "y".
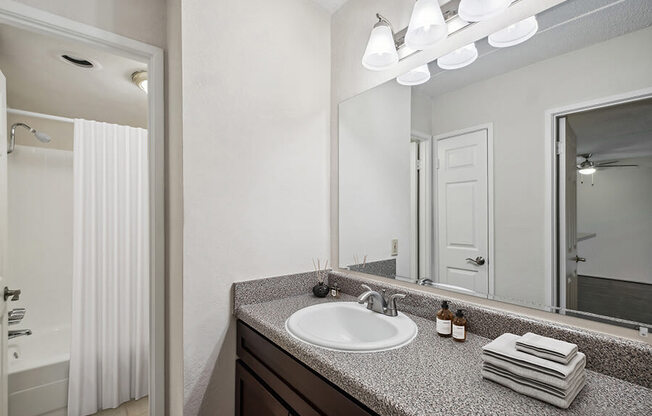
{"x": 421, "y": 113}
{"x": 617, "y": 208}
{"x": 40, "y": 201}
{"x": 375, "y": 176}
{"x": 142, "y": 20}
{"x": 616, "y": 66}
{"x": 256, "y": 85}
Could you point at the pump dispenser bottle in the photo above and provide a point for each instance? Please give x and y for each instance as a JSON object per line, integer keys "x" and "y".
{"x": 444, "y": 321}
{"x": 459, "y": 326}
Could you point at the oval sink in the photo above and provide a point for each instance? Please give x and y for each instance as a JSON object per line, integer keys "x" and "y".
{"x": 350, "y": 327}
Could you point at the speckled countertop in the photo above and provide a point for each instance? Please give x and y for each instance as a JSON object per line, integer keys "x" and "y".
{"x": 432, "y": 375}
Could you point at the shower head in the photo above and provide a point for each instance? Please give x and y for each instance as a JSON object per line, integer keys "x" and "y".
{"x": 42, "y": 137}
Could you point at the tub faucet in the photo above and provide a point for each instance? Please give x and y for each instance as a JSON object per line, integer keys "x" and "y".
{"x": 13, "y": 333}
{"x": 379, "y": 302}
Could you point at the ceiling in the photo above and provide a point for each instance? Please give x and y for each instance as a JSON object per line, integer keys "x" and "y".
{"x": 618, "y": 132}
{"x": 331, "y": 5}
{"x": 572, "y": 25}
{"x": 38, "y": 80}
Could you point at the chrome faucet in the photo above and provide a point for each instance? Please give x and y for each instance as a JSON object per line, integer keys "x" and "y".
{"x": 14, "y": 333}
{"x": 380, "y": 303}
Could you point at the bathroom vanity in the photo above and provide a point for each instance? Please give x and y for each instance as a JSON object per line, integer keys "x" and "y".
{"x": 278, "y": 374}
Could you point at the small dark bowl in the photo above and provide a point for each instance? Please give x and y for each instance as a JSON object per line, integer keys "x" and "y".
{"x": 320, "y": 290}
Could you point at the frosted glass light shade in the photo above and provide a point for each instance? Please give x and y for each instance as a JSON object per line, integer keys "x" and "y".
{"x": 587, "y": 171}
{"x": 459, "y": 58}
{"x": 381, "y": 51}
{"x": 479, "y": 10}
{"x": 514, "y": 34}
{"x": 417, "y": 76}
{"x": 427, "y": 25}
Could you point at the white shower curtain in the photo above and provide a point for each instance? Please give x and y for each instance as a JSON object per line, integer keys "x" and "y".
{"x": 109, "y": 354}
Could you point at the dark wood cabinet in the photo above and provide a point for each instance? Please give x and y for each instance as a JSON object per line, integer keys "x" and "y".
{"x": 253, "y": 398}
{"x": 269, "y": 381}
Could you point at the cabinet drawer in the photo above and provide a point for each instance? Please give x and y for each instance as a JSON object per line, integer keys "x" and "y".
{"x": 306, "y": 392}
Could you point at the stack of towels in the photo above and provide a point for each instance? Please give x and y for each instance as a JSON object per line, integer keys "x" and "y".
{"x": 544, "y": 368}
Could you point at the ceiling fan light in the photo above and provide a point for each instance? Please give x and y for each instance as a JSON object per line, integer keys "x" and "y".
{"x": 514, "y": 34}
{"x": 479, "y": 10}
{"x": 417, "y": 76}
{"x": 589, "y": 170}
{"x": 459, "y": 58}
{"x": 381, "y": 52}
{"x": 427, "y": 25}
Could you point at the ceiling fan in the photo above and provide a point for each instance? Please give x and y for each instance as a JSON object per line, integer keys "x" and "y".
{"x": 588, "y": 167}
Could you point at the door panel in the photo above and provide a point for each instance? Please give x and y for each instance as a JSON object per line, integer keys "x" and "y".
{"x": 568, "y": 214}
{"x": 462, "y": 210}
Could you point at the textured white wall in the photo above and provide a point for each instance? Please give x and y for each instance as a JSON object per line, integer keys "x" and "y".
{"x": 616, "y": 66}
{"x": 375, "y": 176}
{"x": 256, "y": 85}
{"x": 617, "y": 208}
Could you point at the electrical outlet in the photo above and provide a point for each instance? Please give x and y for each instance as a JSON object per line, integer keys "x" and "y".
{"x": 642, "y": 331}
{"x": 395, "y": 247}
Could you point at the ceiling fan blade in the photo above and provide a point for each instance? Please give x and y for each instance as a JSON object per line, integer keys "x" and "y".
{"x": 617, "y": 166}
{"x": 606, "y": 162}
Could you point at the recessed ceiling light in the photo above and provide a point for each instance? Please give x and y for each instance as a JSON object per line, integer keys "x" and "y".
{"x": 78, "y": 61}
{"x": 140, "y": 79}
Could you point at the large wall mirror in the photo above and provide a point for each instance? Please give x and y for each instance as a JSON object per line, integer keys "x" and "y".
{"x": 524, "y": 177}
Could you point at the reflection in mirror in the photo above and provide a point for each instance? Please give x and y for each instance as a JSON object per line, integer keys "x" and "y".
{"x": 521, "y": 177}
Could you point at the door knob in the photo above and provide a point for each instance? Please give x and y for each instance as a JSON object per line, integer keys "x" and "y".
{"x": 580, "y": 259}
{"x": 13, "y": 294}
{"x": 478, "y": 261}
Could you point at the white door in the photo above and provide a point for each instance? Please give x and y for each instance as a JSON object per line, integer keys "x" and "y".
{"x": 3, "y": 244}
{"x": 463, "y": 211}
{"x": 567, "y": 215}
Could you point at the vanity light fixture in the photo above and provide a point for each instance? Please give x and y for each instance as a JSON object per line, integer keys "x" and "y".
{"x": 140, "y": 79}
{"x": 381, "y": 48}
{"x": 480, "y": 10}
{"x": 417, "y": 76}
{"x": 459, "y": 58}
{"x": 514, "y": 34}
{"x": 427, "y": 25}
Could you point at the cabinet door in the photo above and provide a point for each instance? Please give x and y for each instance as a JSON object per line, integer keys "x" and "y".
{"x": 252, "y": 398}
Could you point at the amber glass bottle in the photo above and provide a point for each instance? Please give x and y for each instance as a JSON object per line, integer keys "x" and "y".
{"x": 459, "y": 326}
{"x": 444, "y": 320}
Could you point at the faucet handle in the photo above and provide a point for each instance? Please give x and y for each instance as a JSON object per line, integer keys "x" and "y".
{"x": 366, "y": 287}
{"x": 391, "y": 303}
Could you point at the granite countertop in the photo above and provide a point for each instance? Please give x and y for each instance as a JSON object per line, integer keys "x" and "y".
{"x": 432, "y": 375}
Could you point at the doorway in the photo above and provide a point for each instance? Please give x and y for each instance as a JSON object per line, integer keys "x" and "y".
{"x": 603, "y": 224}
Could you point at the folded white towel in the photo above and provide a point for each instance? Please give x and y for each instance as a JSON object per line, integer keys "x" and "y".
{"x": 548, "y": 348}
{"x": 542, "y": 395}
{"x": 504, "y": 348}
{"x": 557, "y": 391}
{"x": 522, "y": 371}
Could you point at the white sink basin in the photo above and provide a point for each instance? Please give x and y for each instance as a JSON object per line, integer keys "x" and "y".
{"x": 350, "y": 327}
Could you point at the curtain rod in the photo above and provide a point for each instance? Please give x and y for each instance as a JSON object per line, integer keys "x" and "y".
{"x": 39, "y": 115}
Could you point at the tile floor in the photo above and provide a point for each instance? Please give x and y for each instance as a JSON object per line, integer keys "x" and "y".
{"x": 132, "y": 408}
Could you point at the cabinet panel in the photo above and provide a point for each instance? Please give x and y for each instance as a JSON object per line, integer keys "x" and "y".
{"x": 252, "y": 398}
{"x": 305, "y": 391}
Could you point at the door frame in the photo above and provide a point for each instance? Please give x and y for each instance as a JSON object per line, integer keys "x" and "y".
{"x": 489, "y": 127}
{"x": 35, "y": 20}
{"x": 419, "y": 139}
{"x": 551, "y": 138}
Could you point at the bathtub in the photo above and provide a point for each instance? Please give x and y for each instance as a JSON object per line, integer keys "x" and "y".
{"x": 38, "y": 373}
